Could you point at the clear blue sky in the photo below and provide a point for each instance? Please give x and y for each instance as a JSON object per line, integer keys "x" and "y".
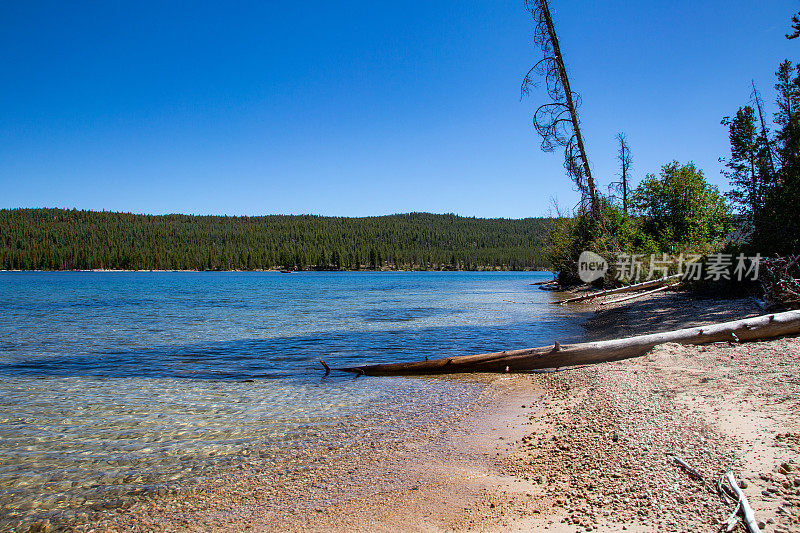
{"x": 355, "y": 107}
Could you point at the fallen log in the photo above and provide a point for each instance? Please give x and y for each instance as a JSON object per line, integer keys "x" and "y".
{"x": 618, "y": 290}
{"x": 639, "y": 295}
{"x": 762, "y": 327}
{"x": 550, "y": 287}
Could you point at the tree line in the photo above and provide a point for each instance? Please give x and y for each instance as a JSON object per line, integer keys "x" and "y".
{"x": 58, "y": 239}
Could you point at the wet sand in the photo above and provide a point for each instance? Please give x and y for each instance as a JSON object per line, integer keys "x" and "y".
{"x": 578, "y": 450}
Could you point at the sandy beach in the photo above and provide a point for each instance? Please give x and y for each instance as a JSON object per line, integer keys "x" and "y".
{"x": 289, "y": 267}
{"x": 581, "y": 449}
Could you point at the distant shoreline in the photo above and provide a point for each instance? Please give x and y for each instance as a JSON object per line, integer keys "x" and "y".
{"x": 277, "y": 271}
{"x": 58, "y": 239}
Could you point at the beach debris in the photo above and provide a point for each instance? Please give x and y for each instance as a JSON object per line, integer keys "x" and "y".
{"x": 683, "y": 464}
{"x": 526, "y": 360}
{"x": 731, "y": 493}
{"x": 742, "y": 510}
{"x": 641, "y": 294}
{"x": 780, "y": 278}
{"x": 618, "y": 290}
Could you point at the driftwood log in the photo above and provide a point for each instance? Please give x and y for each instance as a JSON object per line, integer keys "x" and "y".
{"x": 558, "y": 355}
{"x": 640, "y": 294}
{"x": 627, "y": 288}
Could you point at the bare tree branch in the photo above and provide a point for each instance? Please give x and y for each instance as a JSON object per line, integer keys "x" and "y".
{"x": 768, "y": 147}
{"x": 622, "y": 187}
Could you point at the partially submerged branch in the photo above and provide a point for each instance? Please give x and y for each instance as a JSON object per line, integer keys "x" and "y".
{"x": 560, "y": 355}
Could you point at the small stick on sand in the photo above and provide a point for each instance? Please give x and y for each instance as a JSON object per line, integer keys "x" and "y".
{"x": 687, "y": 467}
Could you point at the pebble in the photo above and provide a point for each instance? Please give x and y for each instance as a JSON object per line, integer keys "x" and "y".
{"x": 42, "y": 526}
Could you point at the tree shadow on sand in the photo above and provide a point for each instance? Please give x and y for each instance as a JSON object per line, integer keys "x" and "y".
{"x": 665, "y": 312}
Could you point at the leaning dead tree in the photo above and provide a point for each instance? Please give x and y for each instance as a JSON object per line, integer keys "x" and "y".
{"x": 557, "y": 121}
{"x": 558, "y": 355}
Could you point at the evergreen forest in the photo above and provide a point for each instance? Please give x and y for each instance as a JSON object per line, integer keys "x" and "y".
{"x": 58, "y": 239}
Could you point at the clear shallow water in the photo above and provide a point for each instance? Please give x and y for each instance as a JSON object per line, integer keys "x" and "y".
{"x": 116, "y": 384}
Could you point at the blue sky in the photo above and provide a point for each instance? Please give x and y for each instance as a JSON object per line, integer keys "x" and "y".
{"x": 357, "y": 108}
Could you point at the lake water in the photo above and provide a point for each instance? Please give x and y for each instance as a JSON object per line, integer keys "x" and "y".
{"x": 117, "y": 384}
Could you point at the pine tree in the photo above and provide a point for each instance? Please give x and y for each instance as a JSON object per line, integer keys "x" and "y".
{"x": 795, "y": 27}
{"x": 745, "y": 169}
{"x": 787, "y": 117}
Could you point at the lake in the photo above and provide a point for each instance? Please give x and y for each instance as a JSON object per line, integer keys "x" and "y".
{"x": 115, "y": 385}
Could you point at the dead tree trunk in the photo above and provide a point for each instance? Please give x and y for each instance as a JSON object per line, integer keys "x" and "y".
{"x": 764, "y": 132}
{"x": 556, "y": 356}
{"x": 625, "y": 165}
{"x": 640, "y": 294}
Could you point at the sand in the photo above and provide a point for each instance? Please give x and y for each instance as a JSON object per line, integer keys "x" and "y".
{"x": 582, "y": 449}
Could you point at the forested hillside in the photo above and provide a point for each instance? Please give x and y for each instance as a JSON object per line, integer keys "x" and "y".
{"x": 57, "y": 239}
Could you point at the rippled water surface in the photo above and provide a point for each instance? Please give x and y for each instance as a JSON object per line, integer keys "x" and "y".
{"x": 116, "y": 384}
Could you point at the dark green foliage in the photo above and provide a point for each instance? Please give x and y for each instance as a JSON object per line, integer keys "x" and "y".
{"x": 56, "y": 239}
{"x": 618, "y": 232}
{"x": 795, "y": 27}
{"x": 778, "y": 231}
{"x": 788, "y": 118}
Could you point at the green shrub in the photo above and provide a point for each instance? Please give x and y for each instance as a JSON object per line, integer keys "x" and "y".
{"x": 675, "y": 212}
